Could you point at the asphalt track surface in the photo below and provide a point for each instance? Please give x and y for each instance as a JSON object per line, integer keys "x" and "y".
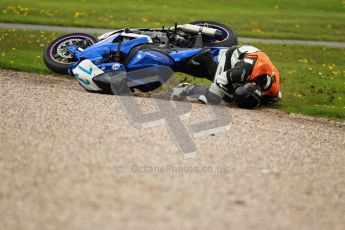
{"x": 101, "y": 31}
{"x": 70, "y": 160}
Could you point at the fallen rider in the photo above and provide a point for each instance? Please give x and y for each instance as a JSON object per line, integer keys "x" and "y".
{"x": 244, "y": 74}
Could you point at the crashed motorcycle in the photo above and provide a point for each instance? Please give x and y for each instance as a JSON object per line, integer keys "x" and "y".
{"x": 95, "y": 62}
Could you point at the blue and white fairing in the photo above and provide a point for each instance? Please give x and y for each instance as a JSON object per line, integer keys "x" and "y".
{"x": 91, "y": 62}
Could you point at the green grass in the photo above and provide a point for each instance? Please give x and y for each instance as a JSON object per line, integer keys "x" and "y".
{"x": 313, "y": 78}
{"x": 312, "y": 19}
{"x": 23, "y": 51}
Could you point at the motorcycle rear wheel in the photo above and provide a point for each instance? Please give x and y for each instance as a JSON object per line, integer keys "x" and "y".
{"x": 228, "y": 39}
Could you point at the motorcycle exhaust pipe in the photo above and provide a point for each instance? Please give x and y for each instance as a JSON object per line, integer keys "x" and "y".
{"x": 189, "y": 28}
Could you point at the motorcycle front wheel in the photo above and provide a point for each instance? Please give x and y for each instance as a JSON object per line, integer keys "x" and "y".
{"x": 57, "y": 56}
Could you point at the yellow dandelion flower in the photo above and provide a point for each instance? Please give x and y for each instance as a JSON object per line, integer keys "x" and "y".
{"x": 77, "y": 14}
{"x": 257, "y": 31}
{"x": 144, "y": 19}
{"x": 304, "y": 61}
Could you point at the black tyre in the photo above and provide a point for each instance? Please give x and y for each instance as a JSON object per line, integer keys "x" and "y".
{"x": 57, "y": 57}
{"x": 228, "y": 38}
